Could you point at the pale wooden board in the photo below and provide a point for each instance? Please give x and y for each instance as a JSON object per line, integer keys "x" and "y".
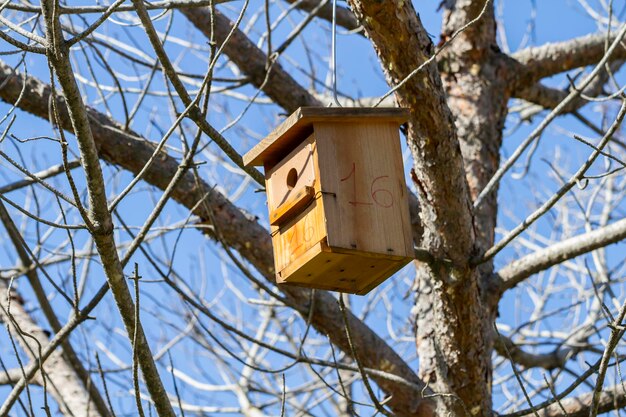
{"x": 372, "y": 255}
{"x": 297, "y": 127}
{"x": 308, "y": 257}
{"x": 362, "y": 176}
{"x": 300, "y": 159}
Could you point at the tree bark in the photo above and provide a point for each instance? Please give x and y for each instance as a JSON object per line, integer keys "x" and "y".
{"x": 64, "y": 385}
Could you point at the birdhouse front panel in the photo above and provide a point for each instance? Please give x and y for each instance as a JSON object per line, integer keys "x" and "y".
{"x": 289, "y": 179}
{"x": 337, "y": 200}
{"x": 296, "y": 217}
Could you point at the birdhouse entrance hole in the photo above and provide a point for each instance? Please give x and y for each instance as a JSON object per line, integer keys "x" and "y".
{"x": 337, "y": 200}
{"x": 292, "y": 178}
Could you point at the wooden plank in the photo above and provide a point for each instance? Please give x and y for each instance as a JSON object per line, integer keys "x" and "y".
{"x": 299, "y": 126}
{"x": 345, "y": 272}
{"x": 289, "y": 208}
{"x": 279, "y": 184}
{"x": 372, "y": 255}
{"x": 305, "y": 269}
{"x": 295, "y": 237}
{"x": 364, "y": 192}
{"x": 382, "y": 276}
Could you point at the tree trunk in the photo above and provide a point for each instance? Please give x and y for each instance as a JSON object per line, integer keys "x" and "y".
{"x": 453, "y": 324}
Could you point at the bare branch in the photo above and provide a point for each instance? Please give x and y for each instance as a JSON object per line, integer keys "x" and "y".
{"x": 194, "y": 112}
{"x": 494, "y": 181}
{"x": 553, "y": 58}
{"x": 345, "y": 18}
{"x": 611, "y": 398}
{"x": 278, "y": 85}
{"x": 549, "y": 98}
{"x": 63, "y": 382}
{"x": 69, "y": 355}
{"x": 47, "y": 173}
{"x": 156, "y": 5}
{"x": 268, "y": 348}
{"x": 130, "y": 151}
{"x": 578, "y": 176}
{"x": 517, "y": 271}
{"x": 10, "y": 377}
{"x": 99, "y": 215}
{"x": 506, "y": 348}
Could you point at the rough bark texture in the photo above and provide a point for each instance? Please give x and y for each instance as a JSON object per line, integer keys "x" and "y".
{"x": 394, "y": 28}
{"x": 611, "y": 398}
{"x": 553, "y": 58}
{"x": 477, "y": 95}
{"x": 515, "y": 272}
{"x": 63, "y": 383}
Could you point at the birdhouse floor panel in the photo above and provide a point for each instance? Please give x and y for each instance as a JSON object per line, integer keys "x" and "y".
{"x": 346, "y": 271}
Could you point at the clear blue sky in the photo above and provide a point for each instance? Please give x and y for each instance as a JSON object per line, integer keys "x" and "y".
{"x": 359, "y": 75}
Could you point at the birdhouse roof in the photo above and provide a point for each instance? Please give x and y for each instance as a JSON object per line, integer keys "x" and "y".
{"x": 299, "y": 125}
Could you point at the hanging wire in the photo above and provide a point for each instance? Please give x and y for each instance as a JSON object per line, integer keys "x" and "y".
{"x": 333, "y": 57}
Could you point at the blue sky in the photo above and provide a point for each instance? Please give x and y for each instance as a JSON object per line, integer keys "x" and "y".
{"x": 203, "y": 266}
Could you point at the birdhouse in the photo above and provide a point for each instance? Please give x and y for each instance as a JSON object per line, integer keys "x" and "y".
{"x": 337, "y": 198}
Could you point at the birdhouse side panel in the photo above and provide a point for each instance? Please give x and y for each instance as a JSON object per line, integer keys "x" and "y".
{"x": 364, "y": 191}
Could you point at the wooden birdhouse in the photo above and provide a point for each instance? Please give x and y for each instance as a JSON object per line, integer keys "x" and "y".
{"x": 337, "y": 197}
